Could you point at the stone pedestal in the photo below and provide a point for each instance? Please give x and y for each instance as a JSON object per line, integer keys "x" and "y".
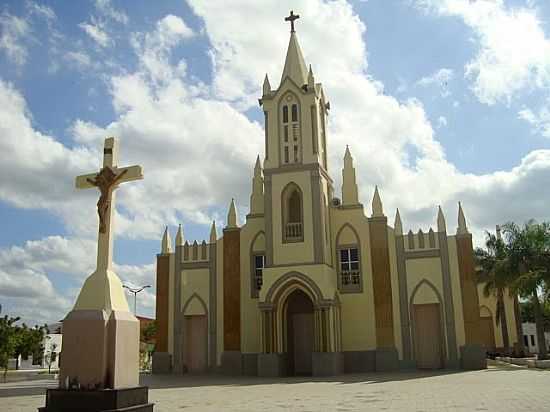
{"x": 272, "y": 365}
{"x": 162, "y": 362}
{"x": 473, "y": 357}
{"x": 386, "y": 360}
{"x": 100, "y": 351}
{"x": 232, "y": 363}
{"x": 106, "y": 400}
{"x": 327, "y": 363}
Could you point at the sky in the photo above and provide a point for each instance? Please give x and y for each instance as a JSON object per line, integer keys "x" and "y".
{"x": 440, "y": 101}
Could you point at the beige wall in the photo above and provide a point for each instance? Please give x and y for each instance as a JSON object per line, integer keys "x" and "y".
{"x": 430, "y": 270}
{"x": 358, "y": 322}
{"x": 219, "y": 292}
{"x": 296, "y": 252}
{"x": 250, "y": 314}
{"x": 395, "y": 294}
{"x": 171, "y": 283}
{"x": 457, "y": 293}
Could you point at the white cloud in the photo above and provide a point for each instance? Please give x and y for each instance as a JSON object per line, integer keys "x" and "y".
{"x": 198, "y": 148}
{"x": 41, "y": 10}
{"x": 26, "y": 270}
{"x": 80, "y": 59}
{"x": 514, "y": 52}
{"x": 540, "y": 121}
{"x": 106, "y": 9}
{"x": 154, "y": 48}
{"x": 14, "y": 31}
{"x": 441, "y": 122}
{"x": 96, "y": 33}
{"x": 440, "y": 79}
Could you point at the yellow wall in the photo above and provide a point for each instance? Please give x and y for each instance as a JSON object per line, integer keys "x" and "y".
{"x": 250, "y": 314}
{"x": 171, "y": 283}
{"x": 296, "y": 252}
{"x": 219, "y": 292}
{"x": 195, "y": 281}
{"x": 358, "y": 322}
{"x": 429, "y": 269}
{"x": 457, "y": 293}
{"x": 395, "y": 294}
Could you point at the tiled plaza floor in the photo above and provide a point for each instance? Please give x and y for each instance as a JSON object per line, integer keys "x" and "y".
{"x": 499, "y": 388}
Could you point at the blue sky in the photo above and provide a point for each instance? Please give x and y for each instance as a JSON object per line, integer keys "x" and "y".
{"x": 453, "y": 96}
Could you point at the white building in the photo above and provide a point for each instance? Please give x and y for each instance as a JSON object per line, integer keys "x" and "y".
{"x": 530, "y": 337}
{"x": 52, "y": 346}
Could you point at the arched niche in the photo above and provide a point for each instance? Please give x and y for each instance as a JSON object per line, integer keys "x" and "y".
{"x": 292, "y": 209}
{"x": 195, "y": 306}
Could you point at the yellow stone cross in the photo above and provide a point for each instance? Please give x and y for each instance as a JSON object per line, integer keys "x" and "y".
{"x": 107, "y": 180}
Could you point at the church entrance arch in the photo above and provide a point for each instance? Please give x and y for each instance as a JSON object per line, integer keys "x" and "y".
{"x": 299, "y": 333}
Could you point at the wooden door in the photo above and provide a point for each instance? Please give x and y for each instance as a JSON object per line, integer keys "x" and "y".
{"x": 487, "y": 332}
{"x": 302, "y": 325}
{"x": 196, "y": 340}
{"x": 427, "y": 336}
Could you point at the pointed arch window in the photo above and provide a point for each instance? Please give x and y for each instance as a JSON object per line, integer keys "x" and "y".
{"x": 348, "y": 249}
{"x": 293, "y": 216}
{"x": 291, "y": 133}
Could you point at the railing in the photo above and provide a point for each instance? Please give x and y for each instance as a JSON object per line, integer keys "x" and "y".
{"x": 293, "y": 231}
{"x": 350, "y": 278}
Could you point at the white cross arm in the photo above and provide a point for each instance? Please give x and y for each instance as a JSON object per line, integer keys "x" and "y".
{"x": 132, "y": 173}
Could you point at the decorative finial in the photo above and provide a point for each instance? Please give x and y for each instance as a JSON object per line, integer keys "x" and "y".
{"x": 462, "y": 229}
{"x": 166, "y": 242}
{"x": 179, "y": 236}
{"x": 377, "y": 209}
{"x": 398, "y": 226}
{"x": 291, "y": 19}
{"x": 232, "y": 215}
{"x": 213, "y": 234}
{"x": 441, "y": 225}
{"x": 266, "y": 86}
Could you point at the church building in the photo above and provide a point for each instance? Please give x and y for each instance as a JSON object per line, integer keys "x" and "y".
{"x": 312, "y": 283}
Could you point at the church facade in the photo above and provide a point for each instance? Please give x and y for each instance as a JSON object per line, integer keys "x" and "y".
{"x": 311, "y": 285}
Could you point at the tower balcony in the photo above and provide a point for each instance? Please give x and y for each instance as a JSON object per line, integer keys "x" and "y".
{"x": 293, "y": 231}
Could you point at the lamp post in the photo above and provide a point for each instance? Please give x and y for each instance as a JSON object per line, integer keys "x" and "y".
{"x": 135, "y": 291}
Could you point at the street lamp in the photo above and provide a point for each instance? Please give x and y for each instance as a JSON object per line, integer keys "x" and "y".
{"x": 135, "y": 292}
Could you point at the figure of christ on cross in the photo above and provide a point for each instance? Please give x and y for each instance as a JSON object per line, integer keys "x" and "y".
{"x": 291, "y": 19}
{"x": 107, "y": 180}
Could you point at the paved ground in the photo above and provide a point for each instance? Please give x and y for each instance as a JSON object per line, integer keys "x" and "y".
{"x": 499, "y": 388}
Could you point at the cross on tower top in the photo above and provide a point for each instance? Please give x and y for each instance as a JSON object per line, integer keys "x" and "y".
{"x": 291, "y": 19}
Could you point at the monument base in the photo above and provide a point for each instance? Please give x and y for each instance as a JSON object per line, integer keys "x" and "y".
{"x": 126, "y": 399}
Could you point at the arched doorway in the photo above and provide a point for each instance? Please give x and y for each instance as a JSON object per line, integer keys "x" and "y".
{"x": 300, "y": 333}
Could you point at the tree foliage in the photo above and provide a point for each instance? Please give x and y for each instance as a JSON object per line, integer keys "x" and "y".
{"x": 18, "y": 340}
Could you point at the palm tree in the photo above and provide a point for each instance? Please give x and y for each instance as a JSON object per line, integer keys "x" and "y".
{"x": 529, "y": 255}
{"x": 495, "y": 273}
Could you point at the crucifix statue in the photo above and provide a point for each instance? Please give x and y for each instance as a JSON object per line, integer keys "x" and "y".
{"x": 107, "y": 180}
{"x": 291, "y": 19}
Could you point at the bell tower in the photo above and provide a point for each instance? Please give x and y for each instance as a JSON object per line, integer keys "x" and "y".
{"x": 297, "y": 185}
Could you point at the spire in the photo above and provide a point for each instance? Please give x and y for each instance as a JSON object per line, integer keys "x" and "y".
{"x": 461, "y": 229}
{"x": 310, "y": 79}
{"x": 179, "y": 237}
{"x": 166, "y": 242}
{"x": 295, "y": 66}
{"x": 257, "y": 196}
{"x": 441, "y": 225}
{"x": 213, "y": 234}
{"x": 398, "y": 226}
{"x": 232, "y": 215}
{"x": 267, "y": 86}
{"x": 377, "y": 209}
{"x": 350, "y": 194}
